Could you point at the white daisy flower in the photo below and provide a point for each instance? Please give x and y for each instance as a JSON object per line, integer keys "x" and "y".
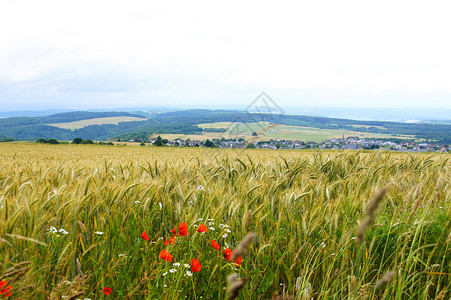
{"x": 188, "y": 273}
{"x": 63, "y": 231}
{"x": 186, "y": 265}
{"x": 176, "y": 264}
{"x": 211, "y": 228}
{"x": 224, "y": 235}
{"x": 173, "y": 270}
{"x": 99, "y": 233}
{"x": 164, "y": 274}
{"x": 53, "y": 229}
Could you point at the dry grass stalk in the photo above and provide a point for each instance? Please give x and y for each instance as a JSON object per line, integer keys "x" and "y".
{"x": 441, "y": 295}
{"x": 19, "y": 274}
{"x": 29, "y": 287}
{"x": 415, "y": 205}
{"x": 24, "y": 238}
{"x": 283, "y": 298}
{"x": 82, "y": 226}
{"x": 384, "y": 280}
{"x": 143, "y": 280}
{"x": 17, "y": 271}
{"x": 235, "y": 285}
{"x": 371, "y": 209}
{"x": 243, "y": 247}
{"x": 437, "y": 189}
{"x": 248, "y": 220}
{"x": 3, "y": 241}
{"x": 75, "y": 295}
{"x": 353, "y": 283}
{"x": 80, "y": 272}
{"x": 408, "y": 198}
{"x": 297, "y": 256}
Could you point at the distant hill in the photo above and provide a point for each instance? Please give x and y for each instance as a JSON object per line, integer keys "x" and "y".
{"x": 32, "y": 128}
{"x": 185, "y": 122}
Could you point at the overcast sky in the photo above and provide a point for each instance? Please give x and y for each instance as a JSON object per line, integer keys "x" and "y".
{"x": 107, "y": 54}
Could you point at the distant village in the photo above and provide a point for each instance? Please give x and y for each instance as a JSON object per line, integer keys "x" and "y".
{"x": 350, "y": 143}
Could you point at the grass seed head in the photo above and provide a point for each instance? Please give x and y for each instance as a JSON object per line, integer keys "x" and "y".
{"x": 371, "y": 209}
{"x": 243, "y": 247}
{"x": 384, "y": 280}
{"x": 235, "y": 285}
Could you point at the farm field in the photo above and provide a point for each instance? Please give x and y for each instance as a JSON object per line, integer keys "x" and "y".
{"x": 108, "y": 222}
{"x": 96, "y": 121}
{"x": 279, "y": 131}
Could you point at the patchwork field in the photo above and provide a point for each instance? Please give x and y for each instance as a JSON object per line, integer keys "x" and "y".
{"x": 96, "y": 121}
{"x": 108, "y": 222}
{"x": 283, "y": 132}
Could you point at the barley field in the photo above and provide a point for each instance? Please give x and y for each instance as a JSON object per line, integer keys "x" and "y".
{"x": 108, "y": 222}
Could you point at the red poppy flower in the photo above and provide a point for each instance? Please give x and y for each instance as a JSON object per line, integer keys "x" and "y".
{"x": 107, "y": 291}
{"x": 215, "y": 245}
{"x": 169, "y": 241}
{"x": 165, "y": 255}
{"x": 145, "y": 236}
{"x": 202, "y": 228}
{"x": 5, "y": 291}
{"x": 174, "y": 231}
{"x": 239, "y": 260}
{"x": 195, "y": 264}
{"x": 227, "y": 254}
{"x": 183, "y": 229}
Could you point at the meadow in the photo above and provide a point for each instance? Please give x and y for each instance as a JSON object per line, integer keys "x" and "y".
{"x": 99, "y": 222}
{"x": 96, "y": 121}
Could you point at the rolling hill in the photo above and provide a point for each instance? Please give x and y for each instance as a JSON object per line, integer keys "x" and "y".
{"x": 125, "y": 125}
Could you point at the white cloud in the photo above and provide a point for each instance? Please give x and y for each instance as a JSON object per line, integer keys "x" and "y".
{"x": 147, "y": 53}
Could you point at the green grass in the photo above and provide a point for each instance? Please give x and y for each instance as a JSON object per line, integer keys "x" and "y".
{"x": 96, "y": 121}
{"x": 305, "y": 200}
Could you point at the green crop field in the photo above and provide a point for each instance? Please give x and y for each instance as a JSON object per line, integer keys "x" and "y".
{"x": 109, "y": 222}
{"x": 96, "y": 121}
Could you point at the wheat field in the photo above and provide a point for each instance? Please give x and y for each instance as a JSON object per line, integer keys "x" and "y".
{"x": 90, "y": 222}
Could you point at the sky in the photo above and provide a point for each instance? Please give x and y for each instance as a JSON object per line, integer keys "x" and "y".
{"x": 109, "y": 54}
